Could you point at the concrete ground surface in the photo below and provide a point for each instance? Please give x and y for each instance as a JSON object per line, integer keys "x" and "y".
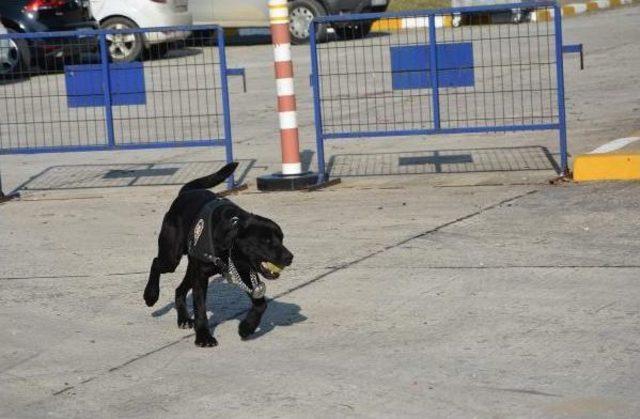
{"x": 472, "y": 290}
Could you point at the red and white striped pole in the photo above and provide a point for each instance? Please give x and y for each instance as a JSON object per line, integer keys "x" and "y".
{"x": 291, "y": 176}
{"x": 279, "y": 21}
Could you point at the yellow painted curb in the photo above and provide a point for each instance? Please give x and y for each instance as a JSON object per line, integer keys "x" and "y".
{"x": 568, "y": 11}
{"x": 592, "y": 5}
{"x": 543, "y": 15}
{"x": 606, "y": 166}
{"x": 387, "y": 25}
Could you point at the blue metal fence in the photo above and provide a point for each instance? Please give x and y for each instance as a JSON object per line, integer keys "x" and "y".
{"x": 68, "y": 92}
{"x": 427, "y": 77}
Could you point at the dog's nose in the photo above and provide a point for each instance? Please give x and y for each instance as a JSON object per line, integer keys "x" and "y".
{"x": 287, "y": 258}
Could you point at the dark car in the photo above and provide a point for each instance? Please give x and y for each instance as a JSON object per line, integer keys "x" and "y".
{"x": 301, "y": 12}
{"x": 28, "y": 16}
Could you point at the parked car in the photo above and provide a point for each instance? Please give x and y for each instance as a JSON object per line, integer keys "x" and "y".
{"x": 515, "y": 15}
{"x": 8, "y": 53}
{"x": 130, "y": 14}
{"x": 255, "y": 13}
{"x": 26, "y": 16}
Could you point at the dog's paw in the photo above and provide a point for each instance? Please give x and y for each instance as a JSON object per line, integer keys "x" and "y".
{"x": 186, "y": 323}
{"x": 245, "y": 329}
{"x": 206, "y": 340}
{"x": 151, "y": 295}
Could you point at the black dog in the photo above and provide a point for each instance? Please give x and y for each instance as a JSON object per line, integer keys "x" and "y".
{"x": 219, "y": 238}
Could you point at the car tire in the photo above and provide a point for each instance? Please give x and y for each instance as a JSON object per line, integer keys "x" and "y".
{"x": 15, "y": 57}
{"x": 123, "y": 48}
{"x": 301, "y": 12}
{"x": 356, "y": 30}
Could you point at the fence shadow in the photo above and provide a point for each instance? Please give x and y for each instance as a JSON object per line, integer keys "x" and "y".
{"x": 83, "y": 176}
{"x": 228, "y": 302}
{"x": 475, "y": 160}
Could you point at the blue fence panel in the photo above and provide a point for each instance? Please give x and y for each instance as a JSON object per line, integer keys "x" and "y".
{"x": 79, "y": 91}
{"x": 85, "y": 89}
{"x": 489, "y": 77}
{"x": 411, "y": 66}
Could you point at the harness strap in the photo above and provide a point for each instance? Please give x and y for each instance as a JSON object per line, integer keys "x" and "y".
{"x": 200, "y": 246}
{"x": 200, "y": 241}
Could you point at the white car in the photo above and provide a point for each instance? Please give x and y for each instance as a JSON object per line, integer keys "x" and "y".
{"x": 8, "y": 59}
{"x": 128, "y": 14}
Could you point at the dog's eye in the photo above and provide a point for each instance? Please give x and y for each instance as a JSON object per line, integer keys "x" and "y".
{"x": 266, "y": 240}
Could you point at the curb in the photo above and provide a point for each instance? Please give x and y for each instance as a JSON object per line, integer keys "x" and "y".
{"x": 446, "y": 21}
{"x": 579, "y": 8}
{"x": 397, "y": 24}
{"x": 602, "y": 164}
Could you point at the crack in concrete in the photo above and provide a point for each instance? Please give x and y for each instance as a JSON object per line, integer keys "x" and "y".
{"x": 338, "y": 268}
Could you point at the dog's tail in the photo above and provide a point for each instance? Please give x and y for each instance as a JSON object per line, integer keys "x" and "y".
{"x": 211, "y": 180}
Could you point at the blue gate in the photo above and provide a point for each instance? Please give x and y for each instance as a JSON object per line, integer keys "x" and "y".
{"x": 78, "y": 91}
{"x": 424, "y": 75}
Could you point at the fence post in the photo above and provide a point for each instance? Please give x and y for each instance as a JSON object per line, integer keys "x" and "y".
{"x": 226, "y": 110}
{"x": 106, "y": 87}
{"x": 433, "y": 65}
{"x": 317, "y": 111}
{"x": 562, "y": 117}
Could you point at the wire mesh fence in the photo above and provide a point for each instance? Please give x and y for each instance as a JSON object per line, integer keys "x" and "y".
{"x": 112, "y": 89}
{"x": 381, "y": 76}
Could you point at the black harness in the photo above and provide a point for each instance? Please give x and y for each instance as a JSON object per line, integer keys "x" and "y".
{"x": 200, "y": 243}
{"x": 200, "y": 246}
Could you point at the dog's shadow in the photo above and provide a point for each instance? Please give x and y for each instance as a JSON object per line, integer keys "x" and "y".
{"x": 228, "y": 302}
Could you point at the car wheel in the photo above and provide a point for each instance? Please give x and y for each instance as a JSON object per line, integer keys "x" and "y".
{"x": 123, "y": 47}
{"x": 356, "y": 30}
{"x": 15, "y": 57}
{"x": 301, "y": 13}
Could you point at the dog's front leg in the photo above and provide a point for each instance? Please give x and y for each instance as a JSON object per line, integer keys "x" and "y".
{"x": 252, "y": 321}
{"x": 184, "y": 320}
{"x": 203, "y": 334}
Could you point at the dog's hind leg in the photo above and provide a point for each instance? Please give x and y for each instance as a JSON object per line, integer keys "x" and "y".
{"x": 199, "y": 284}
{"x": 169, "y": 255}
{"x": 184, "y": 320}
{"x": 252, "y": 321}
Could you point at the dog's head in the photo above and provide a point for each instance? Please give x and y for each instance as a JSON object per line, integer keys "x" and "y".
{"x": 257, "y": 244}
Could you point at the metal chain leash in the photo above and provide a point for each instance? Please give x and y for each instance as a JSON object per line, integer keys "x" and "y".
{"x": 231, "y": 274}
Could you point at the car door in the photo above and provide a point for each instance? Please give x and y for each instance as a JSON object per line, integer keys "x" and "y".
{"x": 230, "y": 13}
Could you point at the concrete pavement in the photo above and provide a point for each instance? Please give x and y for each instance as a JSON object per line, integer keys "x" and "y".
{"x": 494, "y": 301}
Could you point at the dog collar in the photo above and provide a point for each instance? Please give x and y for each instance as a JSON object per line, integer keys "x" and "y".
{"x": 231, "y": 274}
